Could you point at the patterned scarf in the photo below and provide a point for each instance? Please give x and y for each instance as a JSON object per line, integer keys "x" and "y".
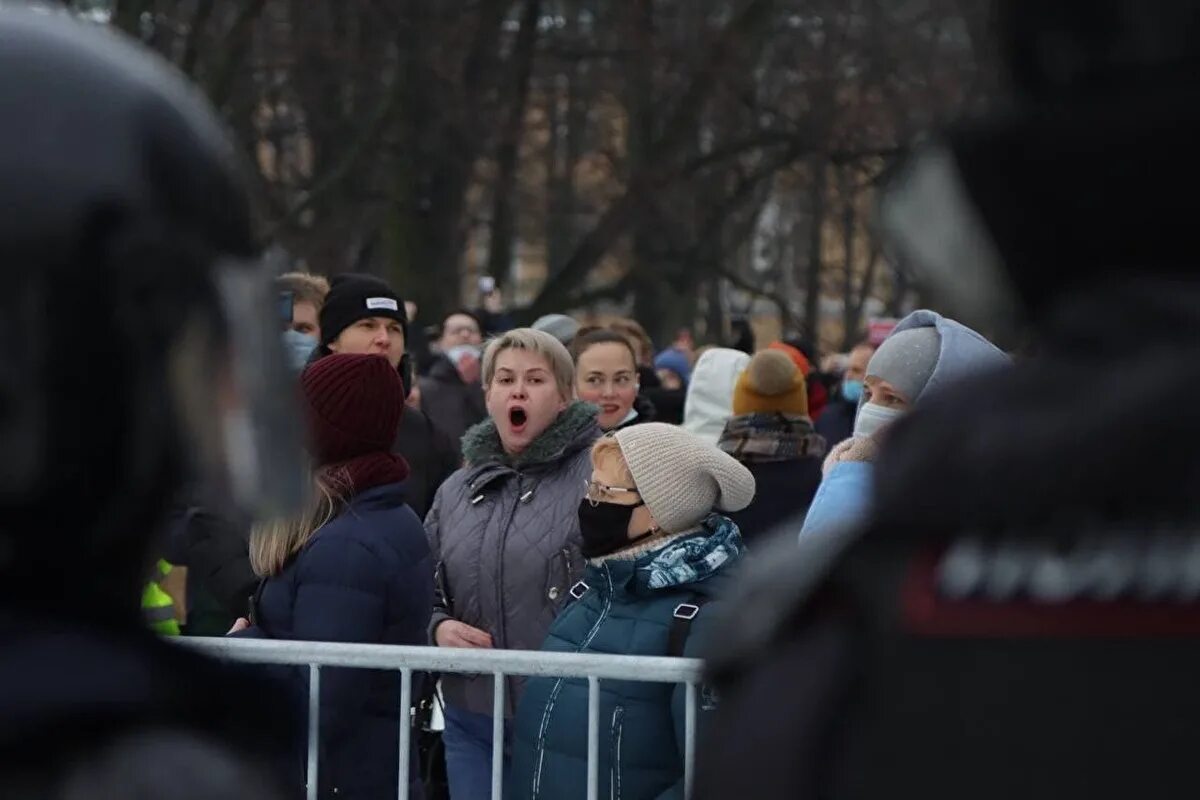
{"x": 754, "y": 438}
{"x": 695, "y": 557}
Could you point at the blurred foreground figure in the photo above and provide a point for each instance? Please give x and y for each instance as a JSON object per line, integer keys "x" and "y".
{"x": 1021, "y": 616}
{"x": 141, "y": 349}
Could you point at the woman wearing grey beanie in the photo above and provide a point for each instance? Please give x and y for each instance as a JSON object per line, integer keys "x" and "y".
{"x": 922, "y": 355}
{"x": 658, "y": 551}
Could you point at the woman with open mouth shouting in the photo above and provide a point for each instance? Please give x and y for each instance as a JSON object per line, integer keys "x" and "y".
{"x": 504, "y": 531}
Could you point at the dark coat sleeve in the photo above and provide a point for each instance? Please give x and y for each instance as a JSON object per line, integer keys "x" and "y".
{"x": 442, "y": 608}
{"x": 431, "y": 456}
{"x": 448, "y": 460}
{"x": 218, "y": 556}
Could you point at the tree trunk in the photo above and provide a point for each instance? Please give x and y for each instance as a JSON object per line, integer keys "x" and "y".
{"x": 436, "y": 162}
{"x": 850, "y": 320}
{"x": 504, "y": 213}
{"x": 864, "y": 294}
{"x": 570, "y": 120}
{"x": 715, "y": 327}
{"x": 649, "y": 302}
{"x": 234, "y": 50}
{"x": 899, "y": 292}
{"x": 128, "y": 16}
{"x": 812, "y": 279}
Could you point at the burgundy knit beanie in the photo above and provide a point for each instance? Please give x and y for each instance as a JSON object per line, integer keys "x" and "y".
{"x": 354, "y": 405}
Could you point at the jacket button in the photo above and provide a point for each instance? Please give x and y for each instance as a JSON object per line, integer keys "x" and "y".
{"x": 553, "y": 592}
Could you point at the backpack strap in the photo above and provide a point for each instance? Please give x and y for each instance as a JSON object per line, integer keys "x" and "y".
{"x": 681, "y": 624}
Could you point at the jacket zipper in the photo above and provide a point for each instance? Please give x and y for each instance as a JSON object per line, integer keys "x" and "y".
{"x": 549, "y": 710}
{"x": 567, "y": 561}
{"x": 614, "y": 778}
{"x": 501, "y": 623}
{"x": 501, "y": 626}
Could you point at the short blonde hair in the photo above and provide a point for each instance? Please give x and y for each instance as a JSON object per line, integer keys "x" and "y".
{"x": 540, "y": 344}
{"x": 606, "y": 452}
{"x": 305, "y": 287}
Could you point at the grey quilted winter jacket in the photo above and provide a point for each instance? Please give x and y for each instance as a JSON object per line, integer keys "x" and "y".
{"x": 505, "y": 537}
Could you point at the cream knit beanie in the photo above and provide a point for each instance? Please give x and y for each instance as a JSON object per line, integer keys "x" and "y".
{"x": 681, "y": 477}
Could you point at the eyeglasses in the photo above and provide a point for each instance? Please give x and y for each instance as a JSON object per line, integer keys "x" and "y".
{"x": 597, "y": 493}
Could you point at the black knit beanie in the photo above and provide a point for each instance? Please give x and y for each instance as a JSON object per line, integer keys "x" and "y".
{"x": 353, "y": 297}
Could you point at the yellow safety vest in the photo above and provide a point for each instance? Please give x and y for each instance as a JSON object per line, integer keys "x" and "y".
{"x": 157, "y": 606}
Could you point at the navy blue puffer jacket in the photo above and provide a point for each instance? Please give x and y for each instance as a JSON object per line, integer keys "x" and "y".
{"x": 366, "y": 576}
{"x": 627, "y": 609}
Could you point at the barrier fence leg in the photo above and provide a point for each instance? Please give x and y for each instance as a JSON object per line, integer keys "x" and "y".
{"x": 314, "y": 727}
{"x": 593, "y": 761}
{"x": 498, "y": 736}
{"x": 689, "y": 741}
{"x": 406, "y": 721}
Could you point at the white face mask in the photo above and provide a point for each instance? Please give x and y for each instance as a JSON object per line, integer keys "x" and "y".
{"x": 872, "y": 417}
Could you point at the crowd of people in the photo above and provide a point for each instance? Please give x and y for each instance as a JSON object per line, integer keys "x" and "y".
{"x": 576, "y": 488}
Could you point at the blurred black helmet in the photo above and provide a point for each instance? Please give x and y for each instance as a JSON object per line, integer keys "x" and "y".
{"x": 1071, "y": 187}
{"x": 140, "y": 339}
{"x": 1054, "y": 51}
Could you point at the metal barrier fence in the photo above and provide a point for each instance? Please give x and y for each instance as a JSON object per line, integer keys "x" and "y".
{"x": 498, "y": 663}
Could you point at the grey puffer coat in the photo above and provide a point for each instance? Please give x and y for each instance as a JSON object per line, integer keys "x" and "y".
{"x": 505, "y": 537}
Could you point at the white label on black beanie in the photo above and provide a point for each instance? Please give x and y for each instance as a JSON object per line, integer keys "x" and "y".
{"x": 382, "y": 302}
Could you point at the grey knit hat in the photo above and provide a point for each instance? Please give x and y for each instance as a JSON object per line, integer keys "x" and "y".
{"x": 560, "y": 326}
{"x": 681, "y": 477}
{"x": 907, "y": 359}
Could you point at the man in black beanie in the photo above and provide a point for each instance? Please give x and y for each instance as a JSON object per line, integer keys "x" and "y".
{"x": 363, "y": 315}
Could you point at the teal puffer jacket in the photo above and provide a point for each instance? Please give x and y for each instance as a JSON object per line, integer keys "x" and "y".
{"x": 627, "y": 608}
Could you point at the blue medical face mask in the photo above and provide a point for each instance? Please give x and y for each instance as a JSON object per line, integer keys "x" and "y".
{"x": 872, "y": 417}
{"x": 852, "y": 391}
{"x": 298, "y": 347}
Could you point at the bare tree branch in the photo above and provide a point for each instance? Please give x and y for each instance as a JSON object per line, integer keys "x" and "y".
{"x": 660, "y": 170}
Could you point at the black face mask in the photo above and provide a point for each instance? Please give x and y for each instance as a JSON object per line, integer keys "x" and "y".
{"x": 605, "y": 527}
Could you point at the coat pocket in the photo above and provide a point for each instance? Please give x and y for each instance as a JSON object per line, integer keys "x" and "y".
{"x": 558, "y": 577}
{"x": 614, "y": 757}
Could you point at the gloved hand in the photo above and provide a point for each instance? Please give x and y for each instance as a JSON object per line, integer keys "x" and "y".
{"x": 856, "y": 448}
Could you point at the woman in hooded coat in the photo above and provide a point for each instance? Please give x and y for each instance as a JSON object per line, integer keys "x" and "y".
{"x": 924, "y": 353}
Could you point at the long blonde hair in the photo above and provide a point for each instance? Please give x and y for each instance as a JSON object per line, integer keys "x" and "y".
{"x": 274, "y": 542}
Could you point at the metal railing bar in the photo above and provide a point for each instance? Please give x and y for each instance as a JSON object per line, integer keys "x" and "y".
{"x": 499, "y": 663}
{"x": 689, "y": 740}
{"x": 406, "y": 721}
{"x": 498, "y": 736}
{"x": 646, "y": 669}
{"x": 314, "y": 728}
{"x": 593, "y": 759}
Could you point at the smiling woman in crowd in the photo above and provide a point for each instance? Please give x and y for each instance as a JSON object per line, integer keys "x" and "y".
{"x": 505, "y": 532}
{"x": 606, "y": 375}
